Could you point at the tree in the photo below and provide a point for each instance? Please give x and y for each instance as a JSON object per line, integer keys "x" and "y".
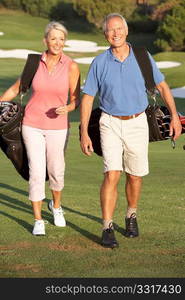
{"x": 171, "y": 31}
{"x": 34, "y": 7}
{"x": 14, "y": 4}
{"x": 163, "y": 8}
{"x": 96, "y": 10}
{"x": 38, "y": 7}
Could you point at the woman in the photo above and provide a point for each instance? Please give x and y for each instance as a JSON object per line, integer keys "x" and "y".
{"x": 45, "y": 124}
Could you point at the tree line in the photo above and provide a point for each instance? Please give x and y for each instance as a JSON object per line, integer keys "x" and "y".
{"x": 165, "y": 18}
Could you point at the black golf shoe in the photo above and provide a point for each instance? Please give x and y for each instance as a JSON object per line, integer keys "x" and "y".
{"x": 108, "y": 239}
{"x": 131, "y": 226}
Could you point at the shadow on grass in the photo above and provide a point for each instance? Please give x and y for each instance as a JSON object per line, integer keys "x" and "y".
{"x": 99, "y": 220}
{"x": 20, "y": 206}
{"x": 94, "y": 238}
{"x": 19, "y": 221}
{"x": 6, "y": 82}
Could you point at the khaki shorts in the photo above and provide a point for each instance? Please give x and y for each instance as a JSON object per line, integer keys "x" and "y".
{"x": 125, "y": 144}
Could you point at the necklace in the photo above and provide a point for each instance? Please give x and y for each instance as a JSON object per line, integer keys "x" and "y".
{"x": 51, "y": 65}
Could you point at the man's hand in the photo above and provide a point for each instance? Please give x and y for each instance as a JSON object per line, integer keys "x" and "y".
{"x": 166, "y": 95}
{"x": 86, "y": 145}
{"x": 175, "y": 127}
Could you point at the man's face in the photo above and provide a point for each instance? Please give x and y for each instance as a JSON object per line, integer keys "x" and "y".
{"x": 116, "y": 32}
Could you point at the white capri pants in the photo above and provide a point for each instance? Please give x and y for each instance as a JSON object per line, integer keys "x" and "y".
{"x": 45, "y": 148}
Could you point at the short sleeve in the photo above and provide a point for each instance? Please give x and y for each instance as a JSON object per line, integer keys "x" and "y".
{"x": 158, "y": 76}
{"x": 91, "y": 85}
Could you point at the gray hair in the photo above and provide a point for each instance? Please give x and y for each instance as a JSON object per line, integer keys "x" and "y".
{"x": 55, "y": 25}
{"x": 110, "y": 16}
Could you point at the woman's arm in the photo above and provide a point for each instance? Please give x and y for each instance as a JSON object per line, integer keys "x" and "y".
{"x": 11, "y": 92}
{"x": 74, "y": 86}
{"x": 74, "y": 90}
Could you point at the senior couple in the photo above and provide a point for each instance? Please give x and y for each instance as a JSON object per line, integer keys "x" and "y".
{"x": 115, "y": 76}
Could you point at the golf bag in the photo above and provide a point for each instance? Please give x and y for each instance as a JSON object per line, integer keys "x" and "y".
{"x": 11, "y": 115}
{"x": 11, "y": 142}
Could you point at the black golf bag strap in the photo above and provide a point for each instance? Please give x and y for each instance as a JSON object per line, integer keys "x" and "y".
{"x": 29, "y": 71}
{"x": 144, "y": 63}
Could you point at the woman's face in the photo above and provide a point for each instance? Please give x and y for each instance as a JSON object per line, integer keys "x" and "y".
{"x": 55, "y": 41}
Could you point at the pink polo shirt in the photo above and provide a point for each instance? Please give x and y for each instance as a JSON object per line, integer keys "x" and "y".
{"x": 49, "y": 91}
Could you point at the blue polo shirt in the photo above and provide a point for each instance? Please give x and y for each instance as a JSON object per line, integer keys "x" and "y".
{"x": 120, "y": 85}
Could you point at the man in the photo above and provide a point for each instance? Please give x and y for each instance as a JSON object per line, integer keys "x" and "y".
{"x": 117, "y": 78}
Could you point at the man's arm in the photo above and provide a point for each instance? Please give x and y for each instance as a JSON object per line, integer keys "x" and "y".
{"x": 166, "y": 95}
{"x": 85, "y": 112}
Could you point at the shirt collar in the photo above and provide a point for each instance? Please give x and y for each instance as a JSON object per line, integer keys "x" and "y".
{"x": 44, "y": 54}
{"x": 112, "y": 57}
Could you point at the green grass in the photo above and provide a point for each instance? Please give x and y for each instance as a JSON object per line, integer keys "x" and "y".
{"x": 175, "y": 76}
{"x": 75, "y": 251}
{"x": 24, "y": 31}
{"x": 21, "y": 30}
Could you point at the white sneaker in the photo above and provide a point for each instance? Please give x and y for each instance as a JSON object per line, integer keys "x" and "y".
{"x": 39, "y": 228}
{"x": 58, "y": 215}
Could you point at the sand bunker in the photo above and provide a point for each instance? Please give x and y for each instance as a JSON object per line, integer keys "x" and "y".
{"x": 88, "y": 47}
{"x": 167, "y": 64}
{"x": 82, "y": 46}
{"x": 16, "y": 53}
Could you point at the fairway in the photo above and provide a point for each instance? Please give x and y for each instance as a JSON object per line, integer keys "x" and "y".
{"x": 75, "y": 251}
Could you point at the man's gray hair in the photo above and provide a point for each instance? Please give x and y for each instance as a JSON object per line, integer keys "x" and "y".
{"x": 110, "y": 16}
{"x": 55, "y": 25}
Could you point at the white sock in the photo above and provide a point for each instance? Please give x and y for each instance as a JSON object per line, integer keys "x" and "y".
{"x": 107, "y": 224}
{"x": 131, "y": 211}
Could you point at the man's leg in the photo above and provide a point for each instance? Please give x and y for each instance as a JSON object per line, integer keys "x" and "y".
{"x": 133, "y": 191}
{"x": 108, "y": 194}
{"x": 136, "y": 166}
{"x": 112, "y": 149}
{"x": 108, "y": 198}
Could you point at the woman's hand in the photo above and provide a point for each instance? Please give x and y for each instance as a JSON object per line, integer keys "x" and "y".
{"x": 62, "y": 110}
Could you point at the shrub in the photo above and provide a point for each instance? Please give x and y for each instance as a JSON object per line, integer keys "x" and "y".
{"x": 171, "y": 31}
{"x": 95, "y": 10}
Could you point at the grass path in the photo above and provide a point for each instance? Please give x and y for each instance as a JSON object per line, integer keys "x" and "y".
{"x": 75, "y": 251}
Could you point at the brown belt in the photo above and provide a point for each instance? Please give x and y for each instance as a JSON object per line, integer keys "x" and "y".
{"x": 128, "y": 117}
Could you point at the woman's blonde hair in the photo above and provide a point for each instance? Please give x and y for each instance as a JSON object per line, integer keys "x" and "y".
{"x": 55, "y": 25}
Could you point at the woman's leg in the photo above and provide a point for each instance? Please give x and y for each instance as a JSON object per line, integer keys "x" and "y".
{"x": 56, "y": 141}
{"x": 35, "y": 147}
{"x": 37, "y": 207}
{"x": 56, "y": 195}
{"x": 56, "y": 144}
